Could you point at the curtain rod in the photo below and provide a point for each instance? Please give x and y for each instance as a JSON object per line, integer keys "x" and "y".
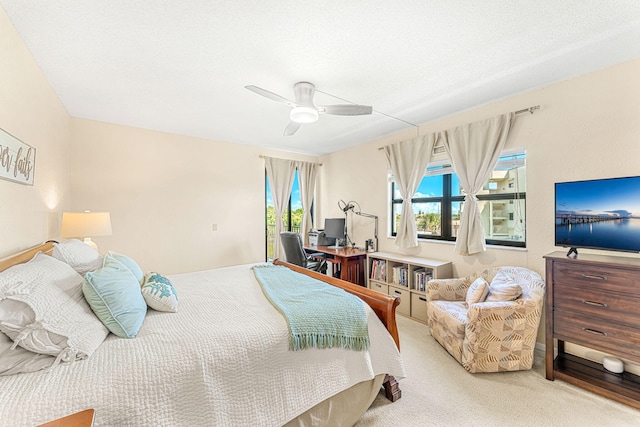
{"x": 524, "y": 110}
{"x": 528, "y": 110}
{"x": 264, "y": 157}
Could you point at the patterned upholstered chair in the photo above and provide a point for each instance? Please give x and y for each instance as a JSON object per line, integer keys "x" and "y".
{"x": 487, "y": 336}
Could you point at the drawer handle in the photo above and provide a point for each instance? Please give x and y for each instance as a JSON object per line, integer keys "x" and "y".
{"x": 398, "y": 292}
{"x": 591, "y": 276}
{"x": 597, "y": 304}
{"x": 593, "y": 331}
{"x": 422, "y": 299}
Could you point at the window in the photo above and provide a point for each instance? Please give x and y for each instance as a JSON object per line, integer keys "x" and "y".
{"x": 291, "y": 219}
{"x": 439, "y": 200}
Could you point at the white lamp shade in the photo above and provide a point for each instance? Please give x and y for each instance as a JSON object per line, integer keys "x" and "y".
{"x": 85, "y": 224}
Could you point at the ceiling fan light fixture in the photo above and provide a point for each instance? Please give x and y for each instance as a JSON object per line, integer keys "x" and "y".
{"x": 303, "y": 115}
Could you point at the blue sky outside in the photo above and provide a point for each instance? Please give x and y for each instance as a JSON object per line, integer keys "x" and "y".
{"x": 431, "y": 186}
{"x": 609, "y": 196}
{"x": 296, "y": 201}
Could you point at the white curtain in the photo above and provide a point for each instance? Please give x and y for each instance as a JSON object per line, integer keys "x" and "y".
{"x": 474, "y": 150}
{"x": 408, "y": 161}
{"x": 280, "y": 173}
{"x": 307, "y": 174}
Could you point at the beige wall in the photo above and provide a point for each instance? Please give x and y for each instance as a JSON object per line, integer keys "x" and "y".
{"x": 588, "y": 127}
{"x": 31, "y": 112}
{"x": 165, "y": 192}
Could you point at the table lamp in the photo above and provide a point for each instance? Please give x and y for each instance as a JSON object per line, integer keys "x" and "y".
{"x": 86, "y": 225}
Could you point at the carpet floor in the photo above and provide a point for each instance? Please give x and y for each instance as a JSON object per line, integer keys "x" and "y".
{"x": 439, "y": 392}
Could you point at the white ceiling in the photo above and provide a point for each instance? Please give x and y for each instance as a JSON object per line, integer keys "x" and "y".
{"x": 181, "y": 66}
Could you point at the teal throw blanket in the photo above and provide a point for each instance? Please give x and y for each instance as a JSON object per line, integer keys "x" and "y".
{"x": 318, "y": 314}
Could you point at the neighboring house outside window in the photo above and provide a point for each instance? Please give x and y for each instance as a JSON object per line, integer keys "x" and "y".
{"x": 439, "y": 200}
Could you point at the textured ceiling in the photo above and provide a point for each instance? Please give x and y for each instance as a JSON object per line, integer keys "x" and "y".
{"x": 181, "y": 66}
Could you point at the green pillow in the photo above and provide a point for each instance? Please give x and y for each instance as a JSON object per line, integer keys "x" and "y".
{"x": 113, "y": 292}
{"x": 129, "y": 263}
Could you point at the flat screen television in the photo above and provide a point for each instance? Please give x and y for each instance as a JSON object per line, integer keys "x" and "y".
{"x": 335, "y": 228}
{"x": 598, "y": 214}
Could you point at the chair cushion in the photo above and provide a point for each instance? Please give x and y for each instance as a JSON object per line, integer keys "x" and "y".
{"x": 503, "y": 288}
{"x": 477, "y": 292}
{"x": 452, "y": 315}
{"x": 446, "y": 320}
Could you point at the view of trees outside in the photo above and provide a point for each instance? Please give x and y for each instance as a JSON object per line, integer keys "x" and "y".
{"x": 503, "y": 218}
{"x": 427, "y": 223}
{"x": 295, "y": 204}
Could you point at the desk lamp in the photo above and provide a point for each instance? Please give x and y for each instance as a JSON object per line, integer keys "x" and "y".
{"x": 351, "y": 206}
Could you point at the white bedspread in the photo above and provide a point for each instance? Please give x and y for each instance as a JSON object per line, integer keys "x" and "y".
{"x": 222, "y": 360}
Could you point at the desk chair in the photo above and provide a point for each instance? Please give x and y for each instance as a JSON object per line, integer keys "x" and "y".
{"x": 295, "y": 254}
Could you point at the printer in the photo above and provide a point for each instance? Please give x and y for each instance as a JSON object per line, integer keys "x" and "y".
{"x": 318, "y": 238}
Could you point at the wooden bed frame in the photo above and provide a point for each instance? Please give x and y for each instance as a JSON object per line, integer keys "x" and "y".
{"x": 383, "y": 305}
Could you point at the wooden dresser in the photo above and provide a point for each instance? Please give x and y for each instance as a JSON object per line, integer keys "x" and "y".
{"x": 594, "y": 301}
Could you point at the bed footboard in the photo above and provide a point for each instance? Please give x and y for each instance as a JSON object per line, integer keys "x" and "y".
{"x": 383, "y": 305}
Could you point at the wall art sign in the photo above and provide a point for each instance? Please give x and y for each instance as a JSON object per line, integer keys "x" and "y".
{"x": 17, "y": 159}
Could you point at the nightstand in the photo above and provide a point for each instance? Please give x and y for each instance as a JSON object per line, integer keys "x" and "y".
{"x": 79, "y": 419}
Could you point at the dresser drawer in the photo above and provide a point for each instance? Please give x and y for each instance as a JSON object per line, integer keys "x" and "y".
{"x": 419, "y": 307}
{"x": 405, "y": 300}
{"x": 380, "y": 287}
{"x": 596, "y": 333}
{"x": 608, "y": 279}
{"x": 609, "y": 306}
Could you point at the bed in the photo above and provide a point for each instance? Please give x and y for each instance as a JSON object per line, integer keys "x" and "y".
{"x": 222, "y": 359}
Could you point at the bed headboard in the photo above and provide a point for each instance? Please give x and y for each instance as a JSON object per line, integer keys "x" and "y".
{"x": 24, "y": 256}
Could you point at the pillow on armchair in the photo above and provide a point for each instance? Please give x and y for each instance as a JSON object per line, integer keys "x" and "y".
{"x": 477, "y": 292}
{"x": 503, "y": 288}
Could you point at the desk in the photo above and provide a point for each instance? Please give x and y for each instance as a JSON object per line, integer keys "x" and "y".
{"x": 350, "y": 261}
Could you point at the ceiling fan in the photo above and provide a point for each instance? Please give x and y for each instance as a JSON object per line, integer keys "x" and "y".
{"x": 303, "y": 111}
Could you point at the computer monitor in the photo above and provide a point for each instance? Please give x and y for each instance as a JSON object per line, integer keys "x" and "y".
{"x": 335, "y": 228}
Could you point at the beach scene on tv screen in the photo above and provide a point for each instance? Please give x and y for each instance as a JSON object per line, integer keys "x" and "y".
{"x": 599, "y": 214}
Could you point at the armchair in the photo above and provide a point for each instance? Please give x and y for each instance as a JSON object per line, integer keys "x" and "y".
{"x": 295, "y": 254}
{"x": 487, "y": 336}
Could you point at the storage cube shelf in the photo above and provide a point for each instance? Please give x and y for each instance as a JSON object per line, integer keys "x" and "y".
{"x": 405, "y": 277}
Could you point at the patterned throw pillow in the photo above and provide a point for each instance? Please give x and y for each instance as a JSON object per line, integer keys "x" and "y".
{"x": 477, "y": 292}
{"x": 159, "y": 293}
{"x": 503, "y": 288}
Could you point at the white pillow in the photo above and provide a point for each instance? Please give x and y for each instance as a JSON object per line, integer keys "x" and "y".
{"x": 42, "y": 310}
{"x": 82, "y": 257}
{"x": 503, "y": 288}
{"x": 18, "y": 360}
{"x": 477, "y": 292}
{"x": 159, "y": 293}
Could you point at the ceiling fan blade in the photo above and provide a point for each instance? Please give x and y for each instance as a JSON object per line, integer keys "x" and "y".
{"x": 291, "y": 128}
{"x": 346, "y": 109}
{"x": 270, "y": 95}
